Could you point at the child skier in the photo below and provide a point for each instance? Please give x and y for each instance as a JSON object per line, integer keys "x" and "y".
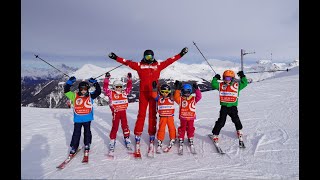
{"x": 187, "y": 111}
{"x": 82, "y": 102}
{"x": 118, "y": 103}
{"x": 166, "y": 112}
{"x": 229, "y": 92}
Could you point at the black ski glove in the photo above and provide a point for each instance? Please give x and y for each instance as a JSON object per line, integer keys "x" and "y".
{"x": 177, "y": 85}
{"x": 241, "y": 74}
{"x": 195, "y": 86}
{"x": 113, "y": 56}
{"x": 218, "y": 76}
{"x": 108, "y": 75}
{"x": 154, "y": 85}
{"x": 183, "y": 51}
{"x": 129, "y": 76}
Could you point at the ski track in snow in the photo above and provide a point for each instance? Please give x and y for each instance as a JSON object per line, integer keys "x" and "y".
{"x": 268, "y": 111}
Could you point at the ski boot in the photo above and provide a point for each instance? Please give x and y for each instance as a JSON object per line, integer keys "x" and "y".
{"x": 159, "y": 147}
{"x": 137, "y": 153}
{"x": 215, "y": 138}
{"x": 240, "y": 136}
{"x": 72, "y": 152}
{"x": 86, "y": 150}
{"x": 112, "y": 144}
{"x": 151, "y": 146}
{"x": 180, "y": 151}
{"x": 127, "y": 142}
{"x": 190, "y": 140}
{"x": 171, "y": 143}
{"x": 192, "y": 148}
{"x": 86, "y": 154}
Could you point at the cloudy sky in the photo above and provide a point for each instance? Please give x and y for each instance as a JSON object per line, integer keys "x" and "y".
{"x": 78, "y": 31}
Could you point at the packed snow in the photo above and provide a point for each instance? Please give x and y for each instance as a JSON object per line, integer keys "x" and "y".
{"x": 268, "y": 110}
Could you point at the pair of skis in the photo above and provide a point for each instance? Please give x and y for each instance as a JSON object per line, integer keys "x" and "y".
{"x": 241, "y": 144}
{"x": 85, "y": 159}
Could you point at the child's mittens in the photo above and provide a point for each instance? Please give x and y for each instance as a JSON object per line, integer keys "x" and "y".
{"x": 71, "y": 80}
{"x": 108, "y": 75}
{"x": 129, "y": 76}
{"x": 177, "y": 85}
{"x": 92, "y": 80}
{"x": 218, "y": 76}
{"x": 195, "y": 86}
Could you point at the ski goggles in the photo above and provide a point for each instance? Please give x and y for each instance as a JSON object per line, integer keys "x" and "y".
{"x": 83, "y": 88}
{"x": 227, "y": 78}
{"x": 118, "y": 86}
{"x": 165, "y": 91}
{"x": 149, "y": 57}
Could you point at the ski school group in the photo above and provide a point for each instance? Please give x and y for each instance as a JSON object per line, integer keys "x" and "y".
{"x": 160, "y": 98}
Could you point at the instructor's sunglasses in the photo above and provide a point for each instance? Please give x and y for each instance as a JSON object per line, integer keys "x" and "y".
{"x": 118, "y": 86}
{"x": 148, "y": 57}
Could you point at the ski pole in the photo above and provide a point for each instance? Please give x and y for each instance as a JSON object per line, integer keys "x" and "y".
{"x": 51, "y": 65}
{"x": 109, "y": 71}
{"x": 268, "y": 71}
{"x": 204, "y": 57}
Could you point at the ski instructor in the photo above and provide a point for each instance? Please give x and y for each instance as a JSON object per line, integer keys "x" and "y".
{"x": 148, "y": 70}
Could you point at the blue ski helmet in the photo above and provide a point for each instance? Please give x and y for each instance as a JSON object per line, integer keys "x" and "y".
{"x": 186, "y": 90}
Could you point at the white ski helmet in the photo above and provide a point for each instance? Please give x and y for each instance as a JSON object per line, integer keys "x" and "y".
{"x": 117, "y": 83}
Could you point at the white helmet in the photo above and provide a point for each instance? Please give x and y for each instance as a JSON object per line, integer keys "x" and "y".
{"x": 117, "y": 83}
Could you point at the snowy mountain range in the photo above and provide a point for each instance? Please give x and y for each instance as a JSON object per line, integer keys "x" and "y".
{"x": 42, "y": 87}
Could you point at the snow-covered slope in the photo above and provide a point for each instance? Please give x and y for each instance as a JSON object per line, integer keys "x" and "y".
{"x": 269, "y": 111}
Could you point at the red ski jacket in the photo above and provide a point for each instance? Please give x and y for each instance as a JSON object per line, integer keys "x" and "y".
{"x": 148, "y": 72}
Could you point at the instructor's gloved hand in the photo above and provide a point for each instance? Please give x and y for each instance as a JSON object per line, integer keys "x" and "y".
{"x": 108, "y": 75}
{"x": 218, "y": 76}
{"x": 154, "y": 85}
{"x": 183, "y": 51}
{"x": 113, "y": 56}
{"x": 71, "y": 80}
{"x": 177, "y": 85}
{"x": 241, "y": 74}
{"x": 129, "y": 76}
{"x": 195, "y": 86}
{"x": 92, "y": 80}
